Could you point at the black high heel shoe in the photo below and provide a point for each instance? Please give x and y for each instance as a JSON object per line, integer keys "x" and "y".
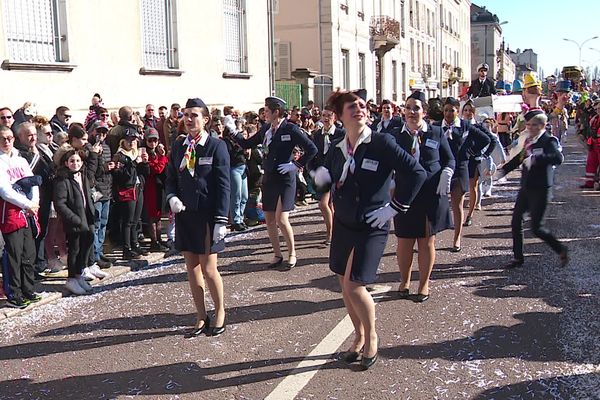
{"x": 199, "y": 331}
{"x": 216, "y": 330}
{"x": 350, "y": 357}
{"x": 277, "y": 263}
{"x": 367, "y": 362}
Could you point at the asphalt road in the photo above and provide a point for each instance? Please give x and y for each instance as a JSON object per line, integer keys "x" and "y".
{"x": 486, "y": 333}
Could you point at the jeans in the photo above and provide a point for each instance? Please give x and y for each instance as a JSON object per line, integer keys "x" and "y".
{"x": 239, "y": 193}
{"x": 101, "y": 215}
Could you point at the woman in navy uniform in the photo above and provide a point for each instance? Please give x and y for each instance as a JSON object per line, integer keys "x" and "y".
{"x": 279, "y": 138}
{"x": 324, "y": 138}
{"x": 358, "y": 169}
{"x": 430, "y": 213}
{"x": 197, "y": 189}
{"x": 465, "y": 140}
{"x": 541, "y": 152}
{"x": 475, "y": 162}
{"x": 387, "y": 123}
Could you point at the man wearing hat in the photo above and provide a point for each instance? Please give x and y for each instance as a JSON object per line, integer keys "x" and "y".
{"x": 482, "y": 86}
{"x": 539, "y": 154}
{"x": 103, "y": 188}
{"x": 558, "y": 118}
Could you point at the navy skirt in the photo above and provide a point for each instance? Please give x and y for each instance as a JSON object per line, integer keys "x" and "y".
{"x": 473, "y": 168}
{"x": 368, "y": 245}
{"x": 276, "y": 186}
{"x": 190, "y": 233}
{"x": 460, "y": 178}
{"x": 428, "y": 215}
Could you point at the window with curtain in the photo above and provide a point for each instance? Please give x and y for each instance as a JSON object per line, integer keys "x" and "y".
{"x": 159, "y": 34}
{"x": 235, "y": 36}
{"x": 35, "y": 30}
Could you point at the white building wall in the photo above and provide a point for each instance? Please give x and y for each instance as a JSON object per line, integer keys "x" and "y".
{"x": 105, "y": 44}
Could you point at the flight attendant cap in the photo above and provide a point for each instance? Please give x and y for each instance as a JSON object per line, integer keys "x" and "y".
{"x": 195, "y": 102}
{"x": 275, "y": 102}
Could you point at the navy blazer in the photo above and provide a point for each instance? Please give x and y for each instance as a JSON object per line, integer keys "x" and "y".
{"x": 287, "y": 136}
{"x": 395, "y": 124}
{"x": 208, "y": 191}
{"x": 477, "y": 89}
{"x": 319, "y": 141}
{"x": 367, "y": 189}
{"x": 547, "y": 153}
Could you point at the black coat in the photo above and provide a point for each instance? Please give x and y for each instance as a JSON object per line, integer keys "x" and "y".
{"x": 76, "y": 216}
{"x": 280, "y": 150}
{"x": 130, "y": 173}
{"x": 102, "y": 177}
{"x": 319, "y": 141}
{"x": 208, "y": 190}
{"x": 395, "y": 124}
{"x": 546, "y": 154}
{"x": 478, "y": 90}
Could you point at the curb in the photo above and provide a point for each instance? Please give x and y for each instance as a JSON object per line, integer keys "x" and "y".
{"x": 115, "y": 271}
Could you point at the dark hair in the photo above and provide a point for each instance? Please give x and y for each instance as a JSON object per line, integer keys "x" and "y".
{"x": 452, "y": 101}
{"x": 98, "y": 96}
{"x": 69, "y": 153}
{"x": 470, "y": 104}
{"x": 277, "y": 107}
{"x": 61, "y": 110}
{"x": 6, "y": 108}
{"x": 162, "y": 107}
{"x": 261, "y": 110}
{"x": 101, "y": 110}
{"x": 125, "y": 113}
{"x": 227, "y": 110}
{"x": 337, "y": 100}
{"x": 76, "y": 130}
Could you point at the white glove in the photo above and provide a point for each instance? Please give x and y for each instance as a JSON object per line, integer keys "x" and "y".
{"x": 219, "y": 232}
{"x": 379, "y": 217}
{"x": 287, "y": 168}
{"x": 176, "y": 205}
{"x": 321, "y": 177}
{"x": 528, "y": 162}
{"x": 445, "y": 180}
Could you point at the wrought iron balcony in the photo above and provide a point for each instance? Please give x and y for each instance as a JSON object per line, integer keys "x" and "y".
{"x": 385, "y": 33}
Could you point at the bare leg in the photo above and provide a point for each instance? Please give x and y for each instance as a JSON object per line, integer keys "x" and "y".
{"x": 404, "y": 257}
{"x": 473, "y": 200}
{"x": 426, "y": 260}
{"x": 215, "y": 286}
{"x": 273, "y": 232}
{"x": 363, "y": 307}
{"x": 327, "y": 212}
{"x": 457, "y": 198}
{"x": 359, "y": 332}
{"x": 196, "y": 281}
{"x": 283, "y": 222}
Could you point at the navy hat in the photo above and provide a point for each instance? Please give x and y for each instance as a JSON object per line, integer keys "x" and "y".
{"x": 195, "y": 102}
{"x": 275, "y": 102}
{"x": 418, "y": 95}
{"x": 532, "y": 113}
{"x": 563, "y": 86}
{"x": 362, "y": 93}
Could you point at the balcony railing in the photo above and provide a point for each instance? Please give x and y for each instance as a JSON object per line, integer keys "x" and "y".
{"x": 383, "y": 27}
{"x": 426, "y": 71}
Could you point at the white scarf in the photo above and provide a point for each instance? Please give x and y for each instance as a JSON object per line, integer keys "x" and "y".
{"x": 350, "y": 165}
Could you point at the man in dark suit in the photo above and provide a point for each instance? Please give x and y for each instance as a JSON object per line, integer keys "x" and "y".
{"x": 482, "y": 86}
{"x": 541, "y": 152}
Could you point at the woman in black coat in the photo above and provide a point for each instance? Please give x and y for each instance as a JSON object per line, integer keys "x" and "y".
{"x": 279, "y": 138}
{"x": 73, "y": 203}
{"x": 431, "y": 212}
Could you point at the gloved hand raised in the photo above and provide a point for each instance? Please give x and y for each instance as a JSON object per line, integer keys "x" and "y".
{"x": 379, "y": 217}
{"x": 176, "y": 205}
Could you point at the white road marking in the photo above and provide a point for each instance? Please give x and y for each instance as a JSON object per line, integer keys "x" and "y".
{"x": 292, "y": 384}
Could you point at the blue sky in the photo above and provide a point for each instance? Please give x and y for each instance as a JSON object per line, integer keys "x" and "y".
{"x": 541, "y": 25}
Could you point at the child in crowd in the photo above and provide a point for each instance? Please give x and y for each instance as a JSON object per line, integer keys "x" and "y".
{"x": 75, "y": 206}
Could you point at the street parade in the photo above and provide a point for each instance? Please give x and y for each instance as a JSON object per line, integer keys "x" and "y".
{"x": 290, "y": 200}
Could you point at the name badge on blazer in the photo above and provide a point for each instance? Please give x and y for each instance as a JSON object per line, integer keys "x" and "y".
{"x": 370, "y": 165}
{"x": 432, "y": 144}
{"x": 204, "y": 160}
{"x": 286, "y": 138}
{"x": 537, "y": 152}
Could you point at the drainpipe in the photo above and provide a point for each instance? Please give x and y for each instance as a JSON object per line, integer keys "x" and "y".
{"x": 320, "y": 39}
{"x": 270, "y": 47}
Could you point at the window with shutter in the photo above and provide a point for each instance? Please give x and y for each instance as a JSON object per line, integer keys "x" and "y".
{"x": 35, "y": 30}
{"x": 235, "y": 36}
{"x": 159, "y": 34}
{"x": 284, "y": 61}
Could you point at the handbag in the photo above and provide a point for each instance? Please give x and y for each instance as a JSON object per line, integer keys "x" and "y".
{"x": 127, "y": 194}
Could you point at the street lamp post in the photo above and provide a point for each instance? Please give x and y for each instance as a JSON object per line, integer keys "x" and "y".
{"x": 580, "y": 46}
{"x": 485, "y": 56}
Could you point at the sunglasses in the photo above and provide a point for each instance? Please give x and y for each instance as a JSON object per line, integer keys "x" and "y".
{"x": 105, "y": 115}
{"x": 5, "y": 117}
{"x": 68, "y": 116}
